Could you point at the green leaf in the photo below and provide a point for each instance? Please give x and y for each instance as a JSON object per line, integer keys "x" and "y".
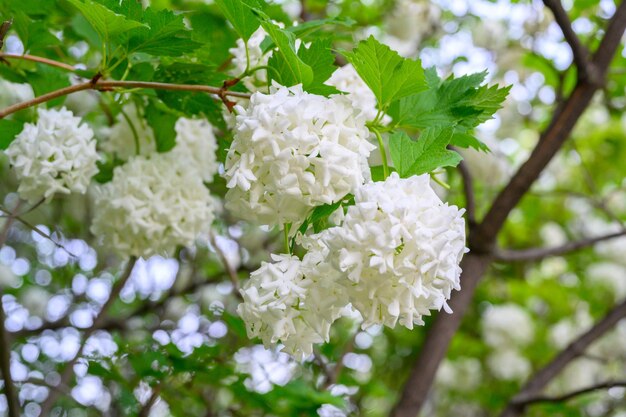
{"x": 240, "y": 15}
{"x": 322, "y": 61}
{"x": 387, "y": 74}
{"x": 424, "y": 155}
{"x": 378, "y": 172}
{"x": 285, "y": 66}
{"x": 106, "y": 22}
{"x": 9, "y": 129}
{"x": 166, "y": 36}
{"x": 162, "y": 123}
{"x": 459, "y": 102}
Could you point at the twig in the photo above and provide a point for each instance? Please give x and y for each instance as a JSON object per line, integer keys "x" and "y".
{"x": 5, "y": 366}
{"x": 575, "y": 349}
{"x": 39, "y": 59}
{"x": 230, "y": 270}
{"x": 570, "y": 395}
{"x": 586, "y": 68}
{"x": 38, "y": 231}
{"x": 68, "y": 372}
{"x": 332, "y": 376}
{"x": 101, "y": 85}
{"x": 145, "y": 410}
{"x": 536, "y": 254}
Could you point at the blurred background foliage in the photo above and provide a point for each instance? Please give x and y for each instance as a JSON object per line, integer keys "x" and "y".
{"x": 173, "y": 344}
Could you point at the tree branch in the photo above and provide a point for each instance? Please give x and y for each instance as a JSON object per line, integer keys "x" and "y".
{"x": 481, "y": 239}
{"x": 100, "y": 85}
{"x": 232, "y": 273}
{"x": 586, "y": 69}
{"x": 575, "y": 349}
{"x": 10, "y": 391}
{"x": 39, "y": 59}
{"x": 570, "y": 395}
{"x": 537, "y": 254}
{"x": 68, "y": 372}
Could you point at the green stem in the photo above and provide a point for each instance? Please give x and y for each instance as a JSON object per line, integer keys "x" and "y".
{"x": 286, "y": 228}
{"x": 438, "y": 181}
{"x": 383, "y": 152}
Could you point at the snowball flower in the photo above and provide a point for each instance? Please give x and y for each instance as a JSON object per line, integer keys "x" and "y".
{"x": 56, "y": 154}
{"x": 151, "y": 206}
{"x": 508, "y": 365}
{"x": 265, "y": 367}
{"x": 290, "y": 301}
{"x": 12, "y": 93}
{"x": 399, "y": 249}
{"x": 507, "y": 324}
{"x": 346, "y": 79}
{"x": 464, "y": 374}
{"x": 130, "y": 135}
{"x": 255, "y": 57}
{"x": 292, "y": 151}
{"x": 196, "y": 146}
{"x": 609, "y": 275}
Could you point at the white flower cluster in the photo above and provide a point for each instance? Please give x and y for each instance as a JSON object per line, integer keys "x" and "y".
{"x": 130, "y": 135}
{"x": 293, "y": 151}
{"x": 255, "y": 57}
{"x": 394, "y": 258}
{"x": 196, "y": 147}
{"x": 346, "y": 79}
{"x": 55, "y": 155}
{"x": 409, "y": 22}
{"x": 506, "y": 328}
{"x": 12, "y": 93}
{"x": 152, "y": 205}
{"x": 291, "y": 301}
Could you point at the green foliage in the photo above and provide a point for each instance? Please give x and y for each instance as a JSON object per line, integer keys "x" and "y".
{"x": 8, "y": 130}
{"x": 106, "y": 23}
{"x": 388, "y": 75}
{"x": 162, "y": 121}
{"x": 460, "y": 102}
{"x": 424, "y": 154}
{"x": 285, "y": 66}
{"x": 240, "y": 15}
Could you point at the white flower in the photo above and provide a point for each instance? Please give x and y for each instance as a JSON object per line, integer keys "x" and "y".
{"x": 57, "y": 154}
{"x": 491, "y": 168}
{"x": 399, "y": 249}
{"x": 408, "y": 24}
{"x": 292, "y": 302}
{"x": 130, "y": 135}
{"x": 568, "y": 329}
{"x": 195, "y": 147}
{"x": 508, "y": 365}
{"x": 256, "y": 58}
{"x": 265, "y": 367}
{"x": 463, "y": 374}
{"x": 151, "y": 206}
{"x": 12, "y": 93}
{"x": 35, "y": 300}
{"x": 609, "y": 275}
{"x": 293, "y": 151}
{"x": 329, "y": 410}
{"x": 507, "y": 324}
{"x": 347, "y": 80}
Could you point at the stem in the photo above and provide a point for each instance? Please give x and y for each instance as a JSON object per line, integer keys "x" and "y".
{"x": 41, "y": 60}
{"x": 133, "y": 131}
{"x": 109, "y": 85}
{"x": 441, "y": 183}
{"x": 383, "y": 152}
{"x": 286, "y": 228}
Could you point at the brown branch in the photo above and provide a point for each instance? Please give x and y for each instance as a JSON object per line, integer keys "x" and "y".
{"x": 68, "y": 372}
{"x": 39, "y": 59}
{"x": 586, "y": 69}
{"x": 536, "y": 254}
{"x": 100, "y": 85}
{"x": 145, "y": 410}
{"x": 230, "y": 270}
{"x": 570, "y": 395}
{"x": 482, "y": 238}
{"x": 10, "y": 391}
{"x": 575, "y": 349}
